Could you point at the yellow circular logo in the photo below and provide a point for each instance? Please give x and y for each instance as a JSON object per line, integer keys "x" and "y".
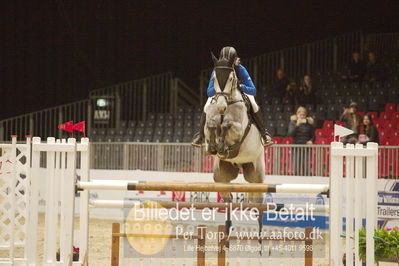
{"x": 148, "y": 228}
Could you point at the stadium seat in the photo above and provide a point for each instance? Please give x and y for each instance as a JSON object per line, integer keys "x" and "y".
{"x": 309, "y": 107}
{"x": 268, "y": 117}
{"x": 130, "y": 131}
{"x": 277, "y": 108}
{"x": 276, "y": 140}
{"x": 373, "y": 115}
{"x": 179, "y": 124}
{"x": 390, "y": 107}
{"x": 319, "y": 133}
{"x": 131, "y": 124}
{"x": 340, "y": 100}
{"x": 157, "y": 138}
{"x": 167, "y": 139}
{"x": 150, "y": 124}
{"x": 188, "y": 117}
{"x": 393, "y": 94}
{"x": 169, "y": 123}
{"x": 160, "y": 116}
{"x": 151, "y": 116}
{"x": 159, "y": 123}
{"x": 123, "y": 123}
{"x": 168, "y": 132}
{"x": 286, "y": 140}
{"x": 276, "y": 101}
{"x": 188, "y": 124}
{"x": 328, "y": 124}
{"x": 282, "y": 128}
{"x": 332, "y": 112}
{"x": 268, "y": 109}
{"x": 121, "y": 131}
{"x": 288, "y": 108}
{"x": 141, "y": 124}
{"x": 279, "y": 116}
{"x": 158, "y": 131}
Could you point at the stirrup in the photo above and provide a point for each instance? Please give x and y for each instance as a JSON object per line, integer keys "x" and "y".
{"x": 198, "y": 141}
{"x": 266, "y": 143}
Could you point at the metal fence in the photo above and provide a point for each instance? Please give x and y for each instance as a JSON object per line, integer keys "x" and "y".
{"x": 298, "y": 160}
{"x": 44, "y": 123}
{"x": 132, "y": 100}
{"x": 320, "y": 56}
{"x": 383, "y": 43}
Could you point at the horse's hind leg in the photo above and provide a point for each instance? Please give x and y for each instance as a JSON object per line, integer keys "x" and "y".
{"x": 254, "y": 173}
{"x": 224, "y": 172}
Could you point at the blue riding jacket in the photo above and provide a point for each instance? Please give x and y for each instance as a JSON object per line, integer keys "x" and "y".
{"x": 246, "y": 82}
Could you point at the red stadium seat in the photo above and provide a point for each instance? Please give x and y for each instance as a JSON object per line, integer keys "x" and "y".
{"x": 390, "y": 107}
{"x": 286, "y": 141}
{"x": 373, "y": 115}
{"x": 328, "y": 124}
{"x": 395, "y": 116}
{"x": 321, "y": 141}
{"x": 385, "y": 141}
{"x": 276, "y": 140}
{"x": 389, "y": 128}
{"x": 382, "y": 135}
{"x": 319, "y": 133}
{"x": 386, "y": 115}
{"x": 361, "y": 113}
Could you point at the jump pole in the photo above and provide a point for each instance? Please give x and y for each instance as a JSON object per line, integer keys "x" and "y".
{"x": 203, "y": 187}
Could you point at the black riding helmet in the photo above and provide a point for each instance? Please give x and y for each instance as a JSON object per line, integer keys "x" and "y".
{"x": 228, "y": 53}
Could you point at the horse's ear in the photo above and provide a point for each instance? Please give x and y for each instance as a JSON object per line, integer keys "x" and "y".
{"x": 214, "y": 59}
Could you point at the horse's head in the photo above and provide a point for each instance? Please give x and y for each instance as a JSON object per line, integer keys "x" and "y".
{"x": 225, "y": 82}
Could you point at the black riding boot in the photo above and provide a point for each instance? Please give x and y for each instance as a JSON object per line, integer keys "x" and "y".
{"x": 265, "y": 136}
{"x": 199, "y": 136}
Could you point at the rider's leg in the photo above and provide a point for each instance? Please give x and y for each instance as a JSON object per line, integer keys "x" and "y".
{"x": 200, "y": 136}
{"x": 258, "y": 119}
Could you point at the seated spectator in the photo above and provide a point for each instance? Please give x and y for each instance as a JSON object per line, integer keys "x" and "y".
{"x": 280, "y": 86}
{"x": 357, "y": 68}
{"x": 301, "y": 127}
{"x": 306, "y": 91}
{"x": 375, "y": 69}
{"x": 368, "y": 131}
{"x": 292, "y": 94}
{"x": 302, "y": 131}
{"x": 353, "y": 121}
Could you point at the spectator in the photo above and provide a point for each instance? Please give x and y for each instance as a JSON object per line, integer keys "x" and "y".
{"x": 292, "y": 93}
{"x": 375, "y": 70}
{"x": 368, "y": 131}
{"x": 302, "y": 132}
{"x": 301, "y": 127}
{"x": 280, "y": 86}
{"x": 357, "y": 68}
{"x": 306, "y": 91}
{"x": 352, "y": 120}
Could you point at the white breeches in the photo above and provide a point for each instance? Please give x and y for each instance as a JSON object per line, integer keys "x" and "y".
{"x": 251, "y": 99}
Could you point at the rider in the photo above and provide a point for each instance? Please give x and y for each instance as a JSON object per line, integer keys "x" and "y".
{"x": 247, "y": 86}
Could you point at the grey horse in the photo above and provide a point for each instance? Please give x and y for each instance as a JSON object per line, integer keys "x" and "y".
{"x": 229, "y": 133}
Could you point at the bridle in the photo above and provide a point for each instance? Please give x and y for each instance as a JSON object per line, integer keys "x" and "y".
{"x": 226, "y": 95}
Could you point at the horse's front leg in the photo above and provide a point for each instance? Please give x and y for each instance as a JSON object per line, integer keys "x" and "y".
{"x": 212, "y": 127}
{"x": 222, "y": 147}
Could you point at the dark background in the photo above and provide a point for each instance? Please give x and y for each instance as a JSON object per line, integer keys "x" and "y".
{"x": 55, "y": 52}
